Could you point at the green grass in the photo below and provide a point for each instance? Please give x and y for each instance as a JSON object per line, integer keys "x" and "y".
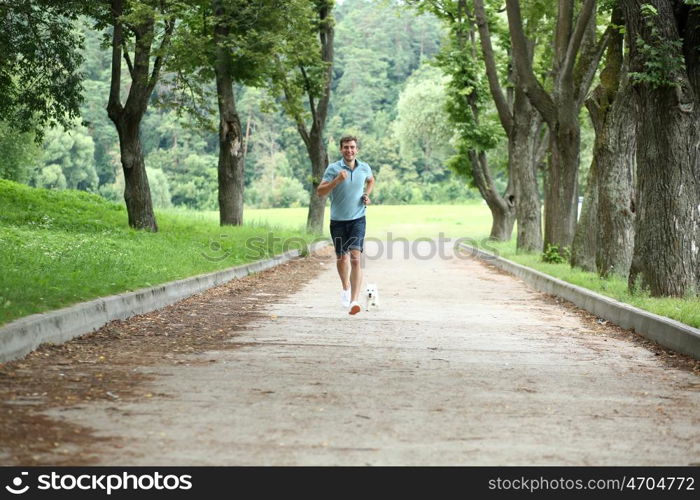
{"x": 402, "y": 221}
{"x": 62, "y": 247}
{"x": 685, "y": 310}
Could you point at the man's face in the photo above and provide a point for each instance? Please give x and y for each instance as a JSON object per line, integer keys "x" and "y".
{"x": 349, "y": 151}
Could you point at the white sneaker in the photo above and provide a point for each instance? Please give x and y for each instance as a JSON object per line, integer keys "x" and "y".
{"x": 345, "y": 298}
{"x": 354, "y": 308}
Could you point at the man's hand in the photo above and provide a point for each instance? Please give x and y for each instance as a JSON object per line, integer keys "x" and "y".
{"x": 366, "y": 200}
{"x": 326, "y": 187}
{"x": 342, "y": 175}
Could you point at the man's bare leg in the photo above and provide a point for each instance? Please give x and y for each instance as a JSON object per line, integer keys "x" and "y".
{"x": 342, "y": 263}
{"x": 355, "y": 273}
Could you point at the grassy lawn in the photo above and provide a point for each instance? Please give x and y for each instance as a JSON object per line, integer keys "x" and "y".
{"x": 62, "y": 247}
{"x": 684, "y": 310}
{"x": 401, "y": 221}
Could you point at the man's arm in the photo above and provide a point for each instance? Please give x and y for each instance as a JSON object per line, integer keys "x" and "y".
{"x": 327, "y": 186}
{"x": 369, "y": 186}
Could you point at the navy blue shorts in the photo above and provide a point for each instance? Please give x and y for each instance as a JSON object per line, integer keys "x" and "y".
{"x": 348, "y": 235}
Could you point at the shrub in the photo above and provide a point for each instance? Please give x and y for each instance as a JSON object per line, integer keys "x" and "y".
{"x": 553, "y": 255}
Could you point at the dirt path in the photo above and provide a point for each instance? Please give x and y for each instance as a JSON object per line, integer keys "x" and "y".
{"x": 461, "y": 365}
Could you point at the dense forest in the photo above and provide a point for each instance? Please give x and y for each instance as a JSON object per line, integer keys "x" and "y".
{"x": 384, "y": 90}
{"x": 217, "y": 102}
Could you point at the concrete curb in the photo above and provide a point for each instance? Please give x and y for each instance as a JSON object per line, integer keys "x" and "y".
{"x": 26, "y": 334}
{"x": 667, "y": 332}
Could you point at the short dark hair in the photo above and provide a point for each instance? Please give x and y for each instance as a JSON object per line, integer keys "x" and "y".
{"x": 348, "y": 138}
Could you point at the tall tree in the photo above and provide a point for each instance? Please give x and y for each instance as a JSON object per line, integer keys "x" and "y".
{"x": 575, "y": 59}
{"x": 467, "y": 91}
{"x": 665, "y": 70}
{"x": 230, "y": 169}
{"x": 134, "y": 27}
{"x": 237, "y": 42}
{"x": 522, "y": 124}
{"x": 247, "y": 35}
{"x": 614, "y": 115}
{"x": 310, "y": 81}
{"x": 605, "y": 233}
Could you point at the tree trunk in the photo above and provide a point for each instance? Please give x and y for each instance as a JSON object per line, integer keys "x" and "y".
{"x": 583, "y": 251}
{"x": 317, "y": 204}
{"x": 561, "y": 200}
{"x": 319, "y": 112}
{"x": 137, "y": 193}
{"x": 614, "y": 118}
{"x": 667, "y": 246}
{"x": 502, "y": 207}
{"x": 230, "y": 167}
{"x": 127, "y": 118}
{"x": 502, "y": 223}
{"x": 617, "y": 159}
{"x": 522, "y": 156}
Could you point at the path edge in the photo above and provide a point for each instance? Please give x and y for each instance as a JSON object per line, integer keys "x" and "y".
{"x": 23, "y": 335}
{"x": 667, "y": 332}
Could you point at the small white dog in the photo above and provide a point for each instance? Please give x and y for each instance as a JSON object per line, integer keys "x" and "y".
{"x": 372, "y": 296}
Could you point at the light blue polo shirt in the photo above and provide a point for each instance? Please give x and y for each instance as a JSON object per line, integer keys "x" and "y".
{"x": 346, "y": 198}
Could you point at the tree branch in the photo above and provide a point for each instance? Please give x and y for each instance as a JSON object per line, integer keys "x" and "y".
{"x": 504, "y": 111}
{"x": 562, "y": 35}
{"x": 114, "y": 105}
{"x": 127, "y": 58}
{"x": 301, "y": 126}
{"x": 584, "y": 17}
{"x": 588, "y": 73}
{"x": 326, "y": 35}
{"x": 169, "y": 28}
{"x": 307, "y": 84}
{"x": 526, "y": 77}
{"x": 542, "y": 146}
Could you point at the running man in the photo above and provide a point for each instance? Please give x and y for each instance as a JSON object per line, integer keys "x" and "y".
{"x": 349, "y": 182}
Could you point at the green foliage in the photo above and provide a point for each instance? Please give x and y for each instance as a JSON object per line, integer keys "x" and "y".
{"x": 468, "y": 97}
{"x": 554, "y": 255}
{"x": 279, "y": 192}
{"x": 378, "y": 46}
{"x": 423, "y": 126}
{"x": 253, "y": 34}
{"x": 62, "y": 247}
{"x": 300, "y": 74}
{"x": 275, "y": 185}
{"x": 662, "y": 57}
{"x": 193, "y": 177}
{"x": 18, "y": 154}
{"x": 366, "y": 89}
{"x": 51, "y": 177}
{"x": 160, "y": 188}
{"x": 72, "y": 152}
{"x": 467, "y": 91}
{"x": 40, "y": 81}
{"x": 393, "y": 190}
{"x": 362, "y": 86}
